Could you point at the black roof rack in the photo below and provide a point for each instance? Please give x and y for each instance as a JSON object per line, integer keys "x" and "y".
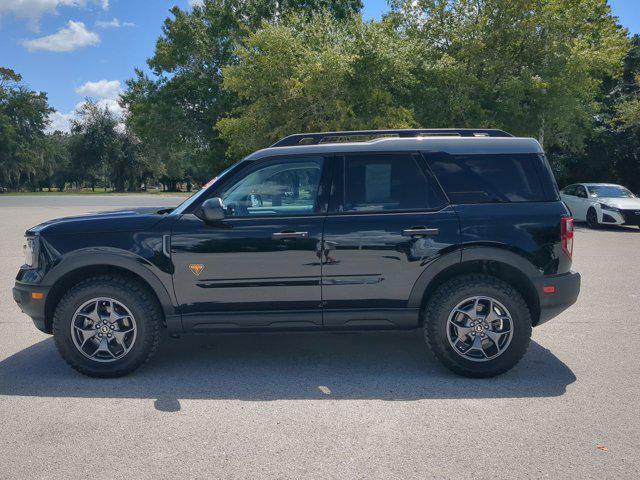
{"x": 316, "y": 138}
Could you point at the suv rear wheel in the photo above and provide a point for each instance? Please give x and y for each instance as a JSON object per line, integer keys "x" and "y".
{"x": 477, "y": 325}
{"x": 107, "y": 326}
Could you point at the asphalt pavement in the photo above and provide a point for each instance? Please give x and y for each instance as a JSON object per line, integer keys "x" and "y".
{"x": 330, "y": 406}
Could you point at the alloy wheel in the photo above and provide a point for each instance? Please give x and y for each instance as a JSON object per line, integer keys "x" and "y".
{"x": 480, "y": 328}
{"x": 103, "y": 330}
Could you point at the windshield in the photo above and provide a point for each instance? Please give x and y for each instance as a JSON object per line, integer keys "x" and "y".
{"x": 609, "y": 191}
{"x": 183, "y": 206}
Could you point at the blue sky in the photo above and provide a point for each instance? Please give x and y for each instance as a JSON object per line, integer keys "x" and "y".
{"x": 77, "y": 48}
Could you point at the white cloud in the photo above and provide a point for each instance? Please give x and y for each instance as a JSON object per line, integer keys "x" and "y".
{"x": 112, "y": 105}
{"x": 71, "y": 37}
{"x": 105, "y": 89}
{"x": 194, "y": 3}
{"x": 105, "y": 93}
{"x": 62, "y": 121}
{"x": 115, "y": 23}
{"x": 33, "y": 10}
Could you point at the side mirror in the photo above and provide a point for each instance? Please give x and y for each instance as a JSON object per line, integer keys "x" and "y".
{"x": 211, "y": 210}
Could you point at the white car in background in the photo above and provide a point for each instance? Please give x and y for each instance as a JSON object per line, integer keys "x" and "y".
{"x": 601, "y": 204}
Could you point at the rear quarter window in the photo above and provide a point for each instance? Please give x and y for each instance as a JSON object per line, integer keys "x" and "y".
{"x": 491, "y": 178}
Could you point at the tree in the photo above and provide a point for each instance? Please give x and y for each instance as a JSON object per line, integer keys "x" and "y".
{"x": 174, "y": 111}
{"x": 317, "y": 74}
{"x": 56, "y": 171}
{"x": 23, "y": 117}
{"x": 612, "y": 147}
{"x": 532, "y": 67}
{"x": 230, "y": 76}
{"x": 94, "y": 145}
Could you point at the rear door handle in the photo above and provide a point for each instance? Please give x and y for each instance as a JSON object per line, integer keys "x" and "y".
{"x": 419, "y": 231}
{"x": 287, "y": 235}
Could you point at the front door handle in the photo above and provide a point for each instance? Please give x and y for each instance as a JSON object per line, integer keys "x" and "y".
{"x": 288, "y": 235}
{"x": 419, "y": 231}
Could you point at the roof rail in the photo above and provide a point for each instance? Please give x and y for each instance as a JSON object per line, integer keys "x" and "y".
{"x": 316, "y": 138}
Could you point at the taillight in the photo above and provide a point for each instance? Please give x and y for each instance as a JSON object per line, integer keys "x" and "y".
{"x": 566, "y": 235}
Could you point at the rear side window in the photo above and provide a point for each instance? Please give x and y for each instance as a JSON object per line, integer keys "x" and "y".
{"x": 495, "y": 178}
{"x": 388, "y": 182}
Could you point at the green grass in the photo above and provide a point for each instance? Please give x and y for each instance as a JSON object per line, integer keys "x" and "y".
{"x": 98, "y": 191}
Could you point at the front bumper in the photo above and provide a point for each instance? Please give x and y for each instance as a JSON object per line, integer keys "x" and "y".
{"x": 32, "y": 305}
{"x": 620, "y": 217}
{"x": 566, "y": 288}
{"x": 631, "y": 217}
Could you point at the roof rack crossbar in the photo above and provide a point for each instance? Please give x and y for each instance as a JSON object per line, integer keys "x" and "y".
{"x": 316, "y": 138}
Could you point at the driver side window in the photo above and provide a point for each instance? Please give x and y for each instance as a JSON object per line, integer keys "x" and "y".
{"x": 279, "y": 187}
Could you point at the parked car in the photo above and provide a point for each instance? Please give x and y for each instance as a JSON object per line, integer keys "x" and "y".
{"x": 460, "y": 233}
{"x": 602, "y": 204}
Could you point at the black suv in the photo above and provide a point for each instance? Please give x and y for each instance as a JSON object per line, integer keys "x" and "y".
{"x": 459, "y": 232}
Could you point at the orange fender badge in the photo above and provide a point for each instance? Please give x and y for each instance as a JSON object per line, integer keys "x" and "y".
{"x": 196, "y": 268}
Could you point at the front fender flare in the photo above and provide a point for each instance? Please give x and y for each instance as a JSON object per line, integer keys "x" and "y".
{"x": 93, "y": 257}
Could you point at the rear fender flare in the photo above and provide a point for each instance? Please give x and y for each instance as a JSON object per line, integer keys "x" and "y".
{"x": 468, "y": 255}
{"x": 429, "y": 273}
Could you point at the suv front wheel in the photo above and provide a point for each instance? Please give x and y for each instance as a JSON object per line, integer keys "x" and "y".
{"x": 107, "y": 326}
{"x": 477, "y": 325}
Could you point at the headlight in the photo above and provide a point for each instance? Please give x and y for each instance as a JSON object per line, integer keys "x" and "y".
{"x": 604, "y": 206}
{"x": 31, "y": 252}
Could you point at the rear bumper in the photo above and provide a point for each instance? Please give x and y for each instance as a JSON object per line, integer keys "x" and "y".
{"x": 566, "y": 288}
{"x": 34, "y": 307}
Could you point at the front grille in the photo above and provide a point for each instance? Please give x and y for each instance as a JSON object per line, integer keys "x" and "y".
{"x": 631, "y": 217}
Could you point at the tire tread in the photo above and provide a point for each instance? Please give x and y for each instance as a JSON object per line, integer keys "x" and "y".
{"x": 129, "y": 286}
{"x": 435, "y": 342}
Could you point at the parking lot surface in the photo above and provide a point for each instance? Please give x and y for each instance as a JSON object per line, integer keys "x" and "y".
{"x": 372, "y": 405}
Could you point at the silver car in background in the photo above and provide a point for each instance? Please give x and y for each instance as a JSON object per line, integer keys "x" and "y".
{"x": 602, "y": 204}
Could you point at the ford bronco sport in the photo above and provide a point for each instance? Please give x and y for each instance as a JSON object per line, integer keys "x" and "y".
{"x": 460, "y": 233}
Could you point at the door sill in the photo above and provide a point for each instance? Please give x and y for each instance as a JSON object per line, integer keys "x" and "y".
{"x": 287, "y": 320}
{"x": 253, "y": 321}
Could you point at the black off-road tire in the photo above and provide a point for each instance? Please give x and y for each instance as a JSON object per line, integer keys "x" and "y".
{"x": 454, "y": 291}
{"x": 142, "y": 305}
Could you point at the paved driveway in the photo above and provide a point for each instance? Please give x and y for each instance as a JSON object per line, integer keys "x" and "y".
{"x": 328, "y": 405}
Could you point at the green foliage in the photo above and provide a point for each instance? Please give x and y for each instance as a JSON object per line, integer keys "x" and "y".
{"x": 23, "y": 115}
{"x": 101, "y": 150}
{"x": 532, "y": 67}
{"x": 231, "y": 76}
{"x": 612, "y": 148}
{"x": 94, "y": 142}
{"x": 175, "y": 111}
{"x": 627, "y": 110}
{"x": 57, "y": 169}
{"x": 315, "y": 75}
